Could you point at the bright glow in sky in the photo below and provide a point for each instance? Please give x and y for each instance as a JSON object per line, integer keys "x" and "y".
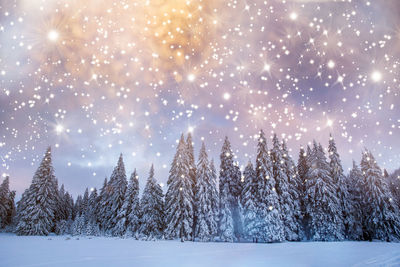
{"x": 111, "y": 77}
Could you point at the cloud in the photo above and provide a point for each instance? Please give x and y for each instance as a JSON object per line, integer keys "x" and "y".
{"x": 316, "y": 1}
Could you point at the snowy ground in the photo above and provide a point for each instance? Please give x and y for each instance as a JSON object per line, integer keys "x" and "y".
{"x": 58, "y": 251}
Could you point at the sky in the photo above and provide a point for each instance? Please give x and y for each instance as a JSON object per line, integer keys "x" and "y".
{"x": 93, "y": 79}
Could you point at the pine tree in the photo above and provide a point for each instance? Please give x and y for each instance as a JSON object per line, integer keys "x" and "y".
{"x": 91, "y": 213}
{"x": 226, "y": 198}
{"x": 249, "y": 202}
{"x": 204, "y": 197}
{"x": 269, "y": 218}
{"x": 37, "y": 212}
{"x": 103, "y": 205}
{"x": 354, "y": 187}
{"x": 322, "y": 207}
{"x": 214, "y": 200}
{"x": 381, "y": 216}
{"x": 62, "y": 227}
{"x": 394, "y": 186}
{"x": 236, "y": 191}
{"x": 152, "y": 208}
{"x": 62, "y": 204}
{"x": 92, "y": 229}
{"x": 7, "y": 206}
{"x": 179, "y": 197}
{"x": 11, "y": 209}
{"x": 78, "y": 211}
{"x": 118, "y": 185}
{"x": 85, "y": 205}
{"x": 78, "y": 226}
{"x": 192, "y": 176}
{"x": 302, "y": 169}
{"x": 339, "y": 182}
{"x": 295, "y": 185}
{"x": 283, "y": 189}
{"x": 131, "y": 207}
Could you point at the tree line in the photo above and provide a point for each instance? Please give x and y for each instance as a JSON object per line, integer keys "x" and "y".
{"x": 272, "y": 200}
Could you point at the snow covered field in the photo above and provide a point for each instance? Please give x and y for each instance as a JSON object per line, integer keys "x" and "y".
{"x": 101, "y": 251}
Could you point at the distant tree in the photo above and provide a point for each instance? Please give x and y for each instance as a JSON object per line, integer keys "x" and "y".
{"x": 269, "y": 218}
{"x": 62, "y": 205}
{"x": 85, "y": 205}
{"x": 295, "y": 187}
{"x": 283, "y": 187}
{"x": 214, "y": 199}
{"x": 78, "y": 226}
{"x": 236, "y": 191}
{"x": 7, "y": 205}
{"x": 394, "y": 186}
{"x": 204, "y": 197}
{"x": 192, "y": 176}
{"x": 226, "y": 198}
{"x": 249, "y": 202}
{"x": 38, "y": 203}
{"x": 91, "y": 212}
{"x": 322, "y": 207}
{"x": 78, "y": 207}
{"x": 152, "y": 208}
{"x": 103, "y": 205}
{"x": 381, "y": 216}
{"x": 118, "y": 185}
{"x": 132, "y": 205}
{"x": 62, "y": 227}
{"x": 339, "y": 182}
{"x": 179, "y": 197}
{"x": 302, "y": 169}
{"x": 354, "y": 186}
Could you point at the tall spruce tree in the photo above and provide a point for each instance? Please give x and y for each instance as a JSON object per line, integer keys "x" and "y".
{"x": 192, "y": 175}
{"x": 117, "y": 186}
{"x": 91, "y": 213}
{"x": 322, "y": 207}
{"x": 152, "y": 207}
{"x": 283, "y": 188}
{"x": 354, "y": 187}
{"x": 103, "y": 205}
{"x": 226, "y": 198}
{"x": 179, "y": 197}
{"x": 132, "y": 204}
{"x": 214, "y": 199}
{"x": 85, "y": 204}
{"x": 339, "y": 182}
{"x": 7, "y": 206}
{"x": 78, "y": 211}
{"x": 204, "y": 198}
{"x": 295, "y": 185}
{"x": 394, "y": 186}
{"x": 269, "y": 218}
{"x": 236, "y": 190}
{"x": 39, "y": 202}
{"x": 302, "y": 169}
{"x": 249, "y": 202}
{"x": 62, "y": 204}
{"x": 381, "y": 216}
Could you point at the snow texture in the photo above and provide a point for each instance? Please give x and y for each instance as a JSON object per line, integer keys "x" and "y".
{"x": 101, "y": 251}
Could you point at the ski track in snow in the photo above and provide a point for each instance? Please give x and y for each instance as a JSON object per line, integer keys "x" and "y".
{"x": 57, "y": 251}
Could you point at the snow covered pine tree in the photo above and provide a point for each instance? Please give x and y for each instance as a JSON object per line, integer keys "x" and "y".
{"x": 36, "y": 209}
{"x": 179, "y": 197}
{"x": 152, "y": 207}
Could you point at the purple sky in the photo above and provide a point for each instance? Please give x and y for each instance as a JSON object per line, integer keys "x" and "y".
{"x": 106, "y": 77}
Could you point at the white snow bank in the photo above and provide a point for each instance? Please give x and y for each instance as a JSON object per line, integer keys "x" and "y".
{"x": 101, "y": 251}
